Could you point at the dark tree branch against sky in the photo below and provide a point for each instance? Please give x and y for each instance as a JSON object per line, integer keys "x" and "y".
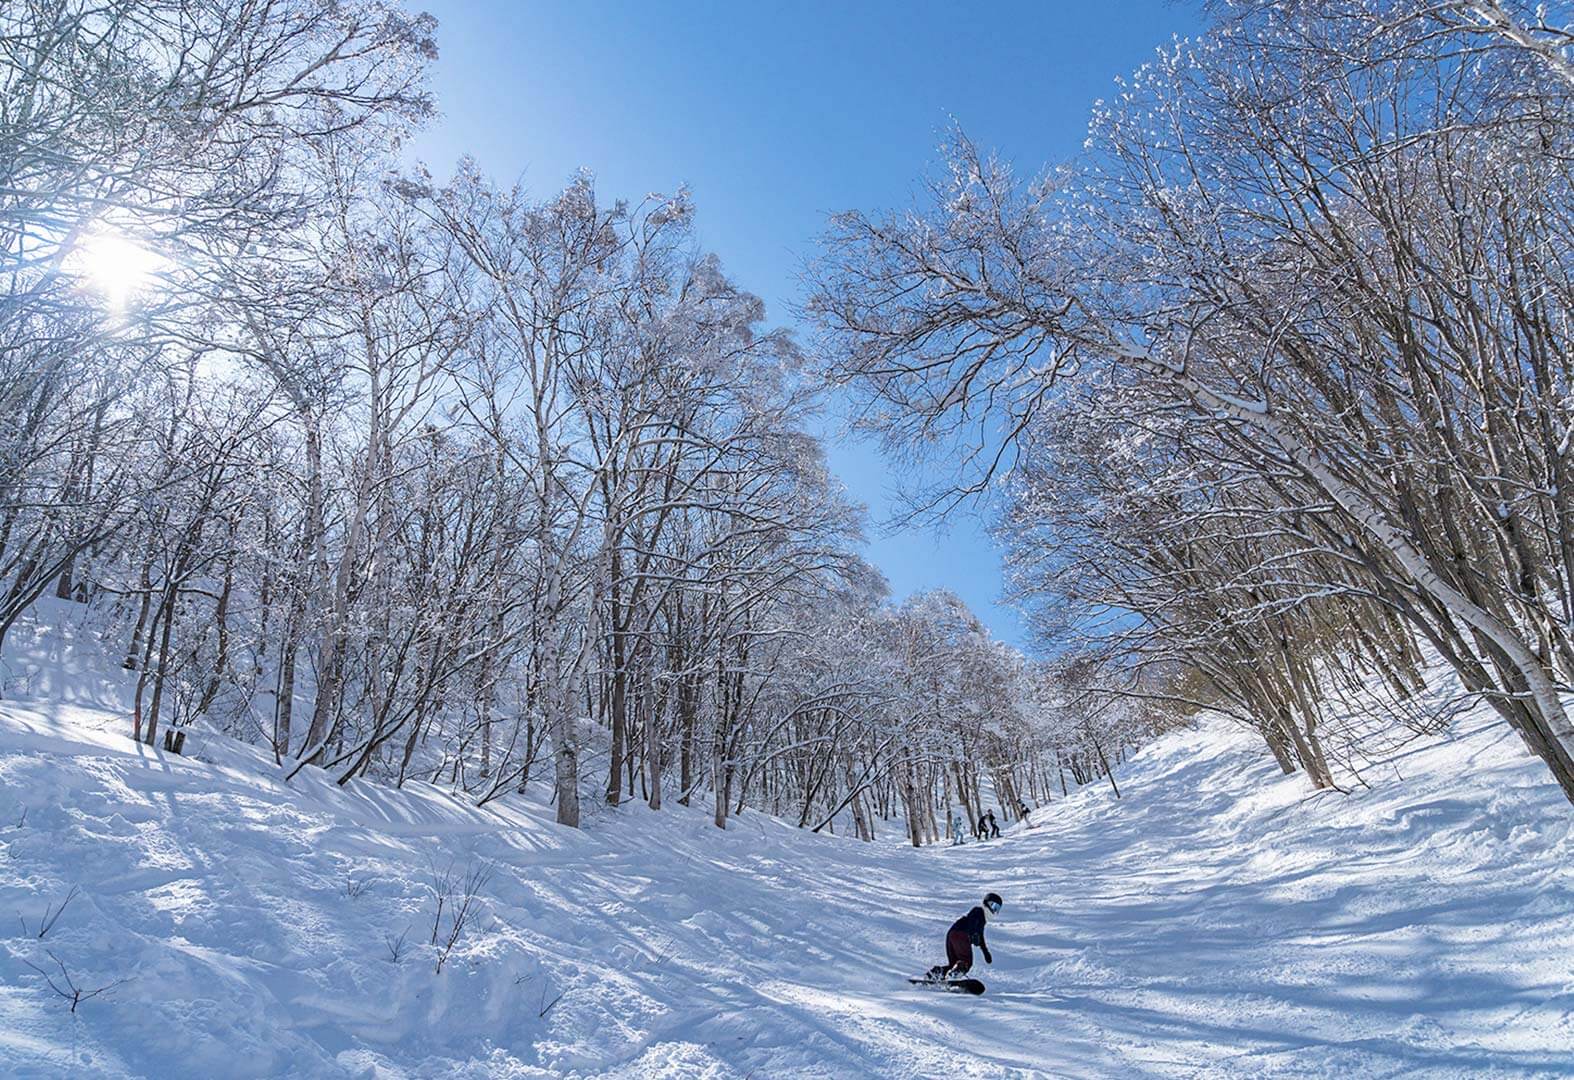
{"x": 776, "y": 115}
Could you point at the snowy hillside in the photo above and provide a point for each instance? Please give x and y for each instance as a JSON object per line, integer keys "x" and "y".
{"x": 1213, "y": 922}
{"x": 407, "y": 503}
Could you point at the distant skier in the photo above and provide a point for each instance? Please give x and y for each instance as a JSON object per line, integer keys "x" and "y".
{"x": 1022, "y": 812}
{"x": 963, "y": 935}
{"x": 956, "y": 830}
{"x": 994, "y": 828}
{"x": 981, "y": 830}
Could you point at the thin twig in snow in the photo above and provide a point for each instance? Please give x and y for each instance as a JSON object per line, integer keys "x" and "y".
{"x": 71, "y": 991}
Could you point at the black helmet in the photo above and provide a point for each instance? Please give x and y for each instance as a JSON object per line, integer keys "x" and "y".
{"x": 992, "y": 903}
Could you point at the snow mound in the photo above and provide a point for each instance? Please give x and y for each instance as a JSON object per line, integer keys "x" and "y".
{"x": 1214, "y": 922}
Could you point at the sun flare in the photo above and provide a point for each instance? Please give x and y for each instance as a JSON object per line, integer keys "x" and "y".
{"x": 117, "y": 267}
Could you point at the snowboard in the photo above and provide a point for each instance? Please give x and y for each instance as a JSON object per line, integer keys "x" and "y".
{"x": 955, "y": 986}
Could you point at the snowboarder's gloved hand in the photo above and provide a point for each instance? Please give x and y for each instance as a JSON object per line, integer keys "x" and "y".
{"x": 987, "y": 958}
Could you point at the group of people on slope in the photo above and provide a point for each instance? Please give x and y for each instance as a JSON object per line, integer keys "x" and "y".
{"x": 986, "y": 827}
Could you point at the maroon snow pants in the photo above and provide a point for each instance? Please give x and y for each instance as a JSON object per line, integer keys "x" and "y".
{"x": 958, "y": 952}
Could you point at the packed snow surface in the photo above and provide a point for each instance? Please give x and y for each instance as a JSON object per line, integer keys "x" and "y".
{"x": 1216, "y": 921}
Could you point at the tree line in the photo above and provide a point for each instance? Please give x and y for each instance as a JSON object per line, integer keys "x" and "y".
{"x": 400, "y": 476}
{"x": 1276, "y": 375}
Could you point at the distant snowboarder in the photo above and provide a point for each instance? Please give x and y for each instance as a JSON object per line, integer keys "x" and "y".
{"x": 960, "y": 939}
{"x": 981, "y": 830}
{"x": 956, "y": 830}
{"x": 994, "y": 828}
{"x": 1022, "y": 812}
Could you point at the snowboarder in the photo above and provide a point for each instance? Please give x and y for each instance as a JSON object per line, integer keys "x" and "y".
{"x": 1022, "y": 812}
{"x": 956, "y": 830}
{"x": 981, "y": 830}
{"x": 994, "y": 828}
{"x": 963, "y": 935}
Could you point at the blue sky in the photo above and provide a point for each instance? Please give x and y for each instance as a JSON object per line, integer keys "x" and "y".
{"x": 776, "y": 114}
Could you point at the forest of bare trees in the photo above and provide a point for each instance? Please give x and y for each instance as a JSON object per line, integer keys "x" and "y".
{"x": 1276, "y": 377}
{"x": 409, "y": 474}
{"x": 414, "y": 477}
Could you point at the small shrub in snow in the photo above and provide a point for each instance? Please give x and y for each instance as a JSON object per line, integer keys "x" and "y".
{"x": 458, "y": 895}
{"x": 545, "y": 1006}
{"x": 51, "y": 914}
{"x": 67, "y": 987}
{"x": 396, "y": 945}
{"x": 18, "y": 686}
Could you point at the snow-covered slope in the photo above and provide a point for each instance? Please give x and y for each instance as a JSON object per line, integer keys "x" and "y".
{"x": 1214, "y": 922}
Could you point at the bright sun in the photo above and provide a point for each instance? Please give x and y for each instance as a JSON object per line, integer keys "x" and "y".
{"x": 117, "y": 268}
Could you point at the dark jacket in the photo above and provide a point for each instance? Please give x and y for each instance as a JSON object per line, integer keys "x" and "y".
{"x": 972, "y": 924}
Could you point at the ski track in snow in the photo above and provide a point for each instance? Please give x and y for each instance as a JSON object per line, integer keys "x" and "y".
{"x": 1214, "y": 922}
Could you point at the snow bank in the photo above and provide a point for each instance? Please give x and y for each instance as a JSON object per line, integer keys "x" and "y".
{"x": 1214, "y": 922}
